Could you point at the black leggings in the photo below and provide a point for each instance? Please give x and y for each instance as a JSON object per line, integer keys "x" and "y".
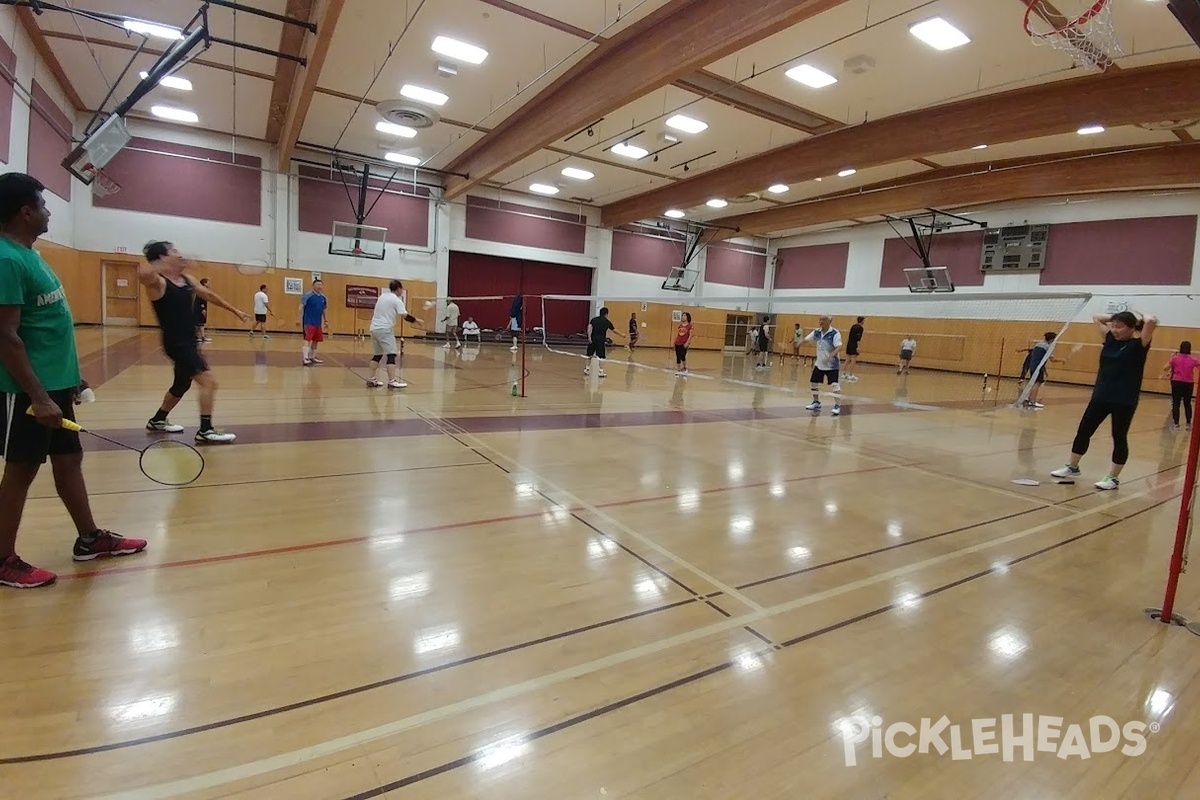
{"x": 681, "y": 354}
{"x": 1181, "y": 393}
{"x": 1093, "y": 416}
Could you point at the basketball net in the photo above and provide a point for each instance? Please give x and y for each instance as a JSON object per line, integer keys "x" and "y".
{"x": 1086, "y": 34}
{"x": 103, "y": 186}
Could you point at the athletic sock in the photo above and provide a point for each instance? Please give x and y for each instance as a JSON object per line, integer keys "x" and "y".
{"x": 205, "y": 422}
{"x": 159, "y": 416}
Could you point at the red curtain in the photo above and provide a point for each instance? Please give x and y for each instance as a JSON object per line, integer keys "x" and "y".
{"x": 473, "y": 274}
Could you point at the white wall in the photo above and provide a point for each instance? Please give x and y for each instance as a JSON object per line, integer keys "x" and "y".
{"x": 30, "y": 68}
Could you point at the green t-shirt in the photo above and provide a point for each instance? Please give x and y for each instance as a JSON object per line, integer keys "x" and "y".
{"x": 47, "y": 327}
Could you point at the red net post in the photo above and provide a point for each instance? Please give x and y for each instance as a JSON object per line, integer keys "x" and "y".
{"x": 1178, "y": 555}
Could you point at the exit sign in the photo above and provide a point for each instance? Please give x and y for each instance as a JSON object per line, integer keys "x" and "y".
{"x": 122, "y": 249}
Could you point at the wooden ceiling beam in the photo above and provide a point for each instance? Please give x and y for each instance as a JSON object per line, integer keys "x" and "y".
{"x": 1164, "y": 166}
{"x": 325, "y": 14}
{"x": 1130, "y": 97}
{"x": 676, "y": 39}
{"x": 291, "y": 41}
{"x": 33, "y": 30}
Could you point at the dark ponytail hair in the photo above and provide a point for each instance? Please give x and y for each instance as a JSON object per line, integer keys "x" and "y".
{"x": 1185, "y": 348}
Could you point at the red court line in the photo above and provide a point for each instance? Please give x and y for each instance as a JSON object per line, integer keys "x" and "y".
{"x": 193, "y": 562}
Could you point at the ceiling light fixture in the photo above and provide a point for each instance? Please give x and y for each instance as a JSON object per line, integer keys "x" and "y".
{"x": 393, "y": 129}
{"x": 577, "y": 174}
{"x": 400, "y": 158}
{"x": 152, "y": 29}
{"x": 811, "y": 76}
{"x": 846, "y": 173}
{"x": 542, "y": 188}
{"x": 939, "y": 34}
{"x": 778, "y": 188}
{"x": 171, "y": 82}
{"x": 1089, "y": 130}
{"x": 980, "y": 147}
{"x": 629, "y": 150}
{"x": 674, "y": 213}
{"x": 174, "y": 114}
{"x": 686, "y": 124}
{"x": 423, "y": 95}
{"x": 716, "y": 202}
{"x": 459, "y": 51}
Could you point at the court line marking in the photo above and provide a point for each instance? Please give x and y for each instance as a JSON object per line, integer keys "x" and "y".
{"x": 303, "y": 755}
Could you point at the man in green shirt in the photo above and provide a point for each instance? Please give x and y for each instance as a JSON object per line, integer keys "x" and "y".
{"x": 39, "y": 386}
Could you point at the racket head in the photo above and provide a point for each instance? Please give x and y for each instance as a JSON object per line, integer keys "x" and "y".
{"x": 169, "y": 462}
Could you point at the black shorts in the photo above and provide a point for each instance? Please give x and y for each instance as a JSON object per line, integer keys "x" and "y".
{"x": 852, "y": 349}
{"x": 201, "y": 317}
{"x": 598, "y": 348}
{"x": 821, "y": 375}
{"x": 24, "y": 441}
{"x": 187, "y": 360}
{"x": 260, "y": 317}
{"x": 906, "y": 355}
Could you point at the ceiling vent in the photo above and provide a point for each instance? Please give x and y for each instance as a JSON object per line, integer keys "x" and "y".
{"x": 859, "y": 65}
{"x": 407, "y": 113}
{"x": 1169, "y": 124}
{"x": 745, "y": 198}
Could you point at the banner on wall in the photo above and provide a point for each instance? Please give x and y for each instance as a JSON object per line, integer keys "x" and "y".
{"x": 361, "y": 296}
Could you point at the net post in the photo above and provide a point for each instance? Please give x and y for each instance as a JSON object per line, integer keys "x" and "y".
{"x": 1166, "y": 614}
{"x": 523, "y": 348}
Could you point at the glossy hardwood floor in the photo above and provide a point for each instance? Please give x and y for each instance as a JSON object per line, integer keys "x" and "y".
{"x": 634, "y": 587}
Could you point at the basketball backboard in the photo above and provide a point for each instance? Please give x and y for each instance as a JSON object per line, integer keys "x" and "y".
{"x": 90, "y": 157}
{"x": 928, "y": 280}
{"x": 358, "y": 241}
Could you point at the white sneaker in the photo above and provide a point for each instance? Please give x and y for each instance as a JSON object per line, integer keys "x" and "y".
{"x": 514, "y": 348}
{"x": 587, "y": 370}
{"x": 446, "y": 346}
{"x": 1109, "y": 483}
{"x": 214, "y": 437}
{"x": 1066, "y": 472}
{"x": 316, "y": 360}
{"x": 164, "y": 426}
{"x": 815, "y": 405}
{"x": 397, "y": 385}
{"x": 374, "y": 383}
{"x": 601, "y": 374}
{"x": 836, "y": 410}
{"x": 308, "y": 362}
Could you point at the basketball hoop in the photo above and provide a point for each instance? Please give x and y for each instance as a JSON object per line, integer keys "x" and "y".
{"x": 1089, "y": 38}
{"x": 103, "y": 186}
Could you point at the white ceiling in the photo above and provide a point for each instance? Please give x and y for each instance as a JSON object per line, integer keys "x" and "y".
{"x": 379, "y": 45}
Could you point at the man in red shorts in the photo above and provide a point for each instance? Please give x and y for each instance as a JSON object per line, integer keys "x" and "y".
{"x": 312, "y": 312}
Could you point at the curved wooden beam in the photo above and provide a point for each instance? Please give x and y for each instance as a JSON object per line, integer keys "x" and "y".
{"x": 1132, "y": 96}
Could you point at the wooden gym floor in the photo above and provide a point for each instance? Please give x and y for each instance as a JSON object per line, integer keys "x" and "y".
{"x": 641, "y": 587}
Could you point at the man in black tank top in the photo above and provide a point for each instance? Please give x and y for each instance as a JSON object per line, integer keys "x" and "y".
{"x": 173, "y": 295}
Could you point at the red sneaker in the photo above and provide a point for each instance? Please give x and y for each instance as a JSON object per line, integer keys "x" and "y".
{"x": 16, "y": 573}
{"x": 106, "y": 544}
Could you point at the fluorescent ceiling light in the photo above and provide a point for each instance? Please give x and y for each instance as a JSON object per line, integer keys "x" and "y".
{"x": 400, "y": 158}
{"x": 174, "y": 114}
{"x": 1088, "y": 130}
{"x": 171, "y": 82}
{"x": 577, "y": 174}
{"x": 423, "y": 95}
{"x": 152, "y": 29}
{"x": 980, "y": 147}
{"x": 542, "y": 188}
{"x": 459, "y": 51}
{"x": 778, "y": 188}
{"x": 686, "y": 124}
{"x": 629, "y": 150}
{"x": 670, "y": 137}
{"x": 846, "y": 173}
{"x": 674, "y": 213}
{"x": 716, "y": 202}
{"x": 811, "y": 76}
{"x": 395, "y": 130}
{"x": 939, "y": 34}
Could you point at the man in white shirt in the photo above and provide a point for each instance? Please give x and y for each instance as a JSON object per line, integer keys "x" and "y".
{"x": 262, "y": 307}
{"x": 451, "y": 320}
{"x": 388, "y": 308}
{"x": 471, "y": 328}
{"x": 826, "y": 364}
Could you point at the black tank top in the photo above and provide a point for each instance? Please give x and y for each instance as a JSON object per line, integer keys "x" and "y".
{"x": 175, "y": 315}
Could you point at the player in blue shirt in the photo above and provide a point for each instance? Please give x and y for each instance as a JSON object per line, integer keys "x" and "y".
{"x": 312, "y": 309}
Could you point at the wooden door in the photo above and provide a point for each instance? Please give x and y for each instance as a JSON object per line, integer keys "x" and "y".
{"x": 737, "y": 326}
{"x": 120, "y": 293}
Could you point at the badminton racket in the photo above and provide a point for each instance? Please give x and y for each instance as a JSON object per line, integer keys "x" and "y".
{"x": 167, "y": 462}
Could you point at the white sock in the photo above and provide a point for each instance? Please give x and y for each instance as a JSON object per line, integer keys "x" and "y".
{"x": 307, "y": 352}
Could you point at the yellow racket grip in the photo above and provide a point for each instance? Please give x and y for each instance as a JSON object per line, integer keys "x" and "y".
{"x": 67, "y": 424}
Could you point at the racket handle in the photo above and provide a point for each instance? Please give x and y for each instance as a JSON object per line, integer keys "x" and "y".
{"x": 67, "y": 425}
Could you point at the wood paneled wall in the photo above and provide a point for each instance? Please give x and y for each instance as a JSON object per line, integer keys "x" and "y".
{"x": 977, "y": 347}
{"x": 82, "y": 275}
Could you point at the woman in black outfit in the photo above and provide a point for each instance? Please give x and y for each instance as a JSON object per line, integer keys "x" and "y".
{"x": 1118, "y": 386}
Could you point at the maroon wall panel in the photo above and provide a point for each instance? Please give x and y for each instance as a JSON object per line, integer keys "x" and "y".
{"x": 1155, "y": 251}
{"x": 8, "y": 71}
{"x": 527, "y": 226}
{"x": 961, "y": 252}
{"x": 203, "y": 184}
{"x": 474, "y": 275}
{"x": 818, "y": 266}
{"x": 736, "y": 265}
{"x": 323, "y": 200}
{"x": 49, "y": 143}
{"x": 654, "y": 251}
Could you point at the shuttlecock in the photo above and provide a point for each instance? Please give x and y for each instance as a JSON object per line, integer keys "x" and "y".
{"x": 428, "y": 304}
